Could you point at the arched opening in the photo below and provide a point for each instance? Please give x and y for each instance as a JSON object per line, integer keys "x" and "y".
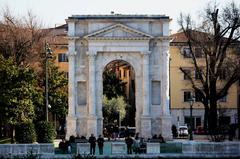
{"x": 118, "y": 96}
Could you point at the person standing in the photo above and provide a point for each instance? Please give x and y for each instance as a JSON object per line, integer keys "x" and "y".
{"x": 137, "y": 143}
{"x": 92, "y": 141}
{"x": 100, "y": 142}
{"x": 129, "y": 142}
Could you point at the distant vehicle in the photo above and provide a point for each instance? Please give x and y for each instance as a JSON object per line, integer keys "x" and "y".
{"x": 200, "y": 130}
{"x": 182, "y": 131}
{"x": 132, "y": 131}
{"x": 122, "y": 131}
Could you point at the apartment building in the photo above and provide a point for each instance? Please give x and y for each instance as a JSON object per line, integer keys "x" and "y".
{"x": 181, "y": 90}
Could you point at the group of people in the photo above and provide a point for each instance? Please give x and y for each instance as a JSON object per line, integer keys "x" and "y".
{"x": 133, "y": 144}
{"x": 100, "y": 141}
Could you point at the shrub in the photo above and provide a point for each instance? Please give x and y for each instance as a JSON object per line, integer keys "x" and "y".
{"x": 45, "y": 132}
{"x": 25, "y": 133}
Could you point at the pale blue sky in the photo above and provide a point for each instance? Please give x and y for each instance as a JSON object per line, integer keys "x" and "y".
{"x": 53, "y": 12}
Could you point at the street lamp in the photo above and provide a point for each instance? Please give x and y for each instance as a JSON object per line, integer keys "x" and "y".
{"x": 191, "y": 100}
{"x": 48, "y": 55}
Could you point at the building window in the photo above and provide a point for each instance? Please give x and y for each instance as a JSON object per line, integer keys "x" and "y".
{"x": 196, "y": 121}
{"x": 222, "y": 74}
{"x": 224, "y": 120}
{"x": 124, "y": 73}
{"x": 187, "y": 53}
{"x": 223, "y": 99}
{"x": 120, "y": 73}
{"x": 198, "y": 97}
{"x": 198, "y": 74}
{"x": 66, "y": 74}
{"x": 62, "y": 57}
{"x": 187, "y": 96}
{"x": 187, "y": 74}
{"x": 198, "y": 53}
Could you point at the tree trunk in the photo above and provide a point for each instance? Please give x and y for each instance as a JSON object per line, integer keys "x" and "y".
{"x": 213, "y": 120}
{"x": 206, "y": 114}
{"x": 12, "y": 134}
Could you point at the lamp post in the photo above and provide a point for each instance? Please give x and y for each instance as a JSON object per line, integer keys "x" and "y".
{"x": 191, "y": 121}
{"x": 48, "y": 55}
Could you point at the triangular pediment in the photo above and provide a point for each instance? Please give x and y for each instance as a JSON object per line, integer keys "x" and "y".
{"x": 118, "y": 31}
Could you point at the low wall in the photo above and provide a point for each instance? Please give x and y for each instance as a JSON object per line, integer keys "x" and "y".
{"x": 83, "y": 148}
{"x": 181, "y": 148}
{"x": 23, "y": 149}
{"x": 153, "y": 148}
{"x": 118, "y": 148}
{"x": 192, "y": 147}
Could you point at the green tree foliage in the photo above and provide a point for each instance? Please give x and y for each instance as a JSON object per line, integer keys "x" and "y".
{"x": 57, "y": 92}
{"x": 25, "y": 133}
{"x": 113, "y": 86}
{"x": 17, "y": 91}
{"x": 112, "y": 108}
{"x": 45, "y": 132}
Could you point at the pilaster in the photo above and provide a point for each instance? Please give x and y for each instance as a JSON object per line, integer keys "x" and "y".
{"x": 146, "y": 127}
{"x": 165, "y": 81}
{"x": 91, "y": 84}
{"x": 71, "y": 84}
{"x": 92, "y": 116}
{"x": 146, "y": 83}
{"x": 71, "y": 126}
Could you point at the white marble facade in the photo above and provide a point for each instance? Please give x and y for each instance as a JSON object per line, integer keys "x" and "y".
{"x": 140, "y": 40}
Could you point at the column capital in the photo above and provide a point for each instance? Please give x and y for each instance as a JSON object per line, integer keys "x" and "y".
{"x": 72, "y": 38}
{"x": 166, "y": 53}
{"x": 91, "y": 53}
{"x": 146, "y": 52}
{"x": 71, "y": 53}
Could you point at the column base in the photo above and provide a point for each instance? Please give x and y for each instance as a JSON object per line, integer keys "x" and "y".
{"x": 166, "y": 127}
{"x": 92, "y": 126}
{"x": 146, "y": 127}
{"x": 71, "y": 126}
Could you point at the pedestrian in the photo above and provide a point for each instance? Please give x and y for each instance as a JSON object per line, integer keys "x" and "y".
{"x": 100, "y": 142}
{"x": 92, "y": 141}
{"x": 137, "y": 143}
{"x": 129, "y": 142}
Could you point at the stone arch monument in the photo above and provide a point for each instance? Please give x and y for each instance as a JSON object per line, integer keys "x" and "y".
{"x": 140, "y": 40}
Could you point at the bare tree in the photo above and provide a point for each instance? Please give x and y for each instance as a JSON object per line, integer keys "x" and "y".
{"x": 217, "y": 36}
{"x": 21, "y": 38}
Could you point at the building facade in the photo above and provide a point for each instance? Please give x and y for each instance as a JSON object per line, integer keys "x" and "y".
{"x": 140, "y": 40}
{"x": 181, "y": 88}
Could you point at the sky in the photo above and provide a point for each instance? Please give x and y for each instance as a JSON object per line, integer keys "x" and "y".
{"x": 54, "y": 12}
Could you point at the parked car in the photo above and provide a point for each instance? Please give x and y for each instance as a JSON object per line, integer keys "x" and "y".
{"x": 182, "y": 131}
{"x": 200, "y": 130}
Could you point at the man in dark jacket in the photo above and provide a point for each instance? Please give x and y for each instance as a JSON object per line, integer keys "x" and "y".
{"x": 129, "y": 142}
{"x": 92, "y": 141}
{"x": 100, "y": 142}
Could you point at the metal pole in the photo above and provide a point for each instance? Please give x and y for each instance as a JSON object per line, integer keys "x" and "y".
{"x": 46, "y": 80}
{"x": 191, "y": 123}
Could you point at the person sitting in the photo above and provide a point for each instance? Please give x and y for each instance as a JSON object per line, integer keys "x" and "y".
{"x": 161, "y": 139}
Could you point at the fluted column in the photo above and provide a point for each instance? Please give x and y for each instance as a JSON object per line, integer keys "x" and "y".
{"x": 146, "y": 83}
